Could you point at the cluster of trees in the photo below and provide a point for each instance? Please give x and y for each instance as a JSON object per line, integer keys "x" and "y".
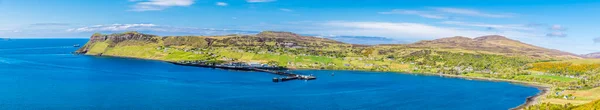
{"x": 466, "y": 62}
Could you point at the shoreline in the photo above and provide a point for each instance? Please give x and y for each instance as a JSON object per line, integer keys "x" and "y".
{"x": 531, "y": 100}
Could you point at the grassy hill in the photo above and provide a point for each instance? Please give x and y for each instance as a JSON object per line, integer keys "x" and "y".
{"x": 592, "y": 55}
{"x": 595, "y": 105}
{"x": 590, "y": 106}
{"x": 497, "y": 45}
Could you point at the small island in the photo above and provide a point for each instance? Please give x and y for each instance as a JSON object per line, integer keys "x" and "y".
{"x": 561, "y": 76}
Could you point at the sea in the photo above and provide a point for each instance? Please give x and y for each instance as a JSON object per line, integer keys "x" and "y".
{"x": 44, "y": 74}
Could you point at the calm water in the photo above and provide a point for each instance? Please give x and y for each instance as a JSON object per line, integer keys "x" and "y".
{"x": 42, "y": 74}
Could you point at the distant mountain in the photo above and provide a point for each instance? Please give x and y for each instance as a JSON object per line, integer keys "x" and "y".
{"x": 365, "y": 40}
{"x": 494, "y": 44}
{"x": 591, "y": 55}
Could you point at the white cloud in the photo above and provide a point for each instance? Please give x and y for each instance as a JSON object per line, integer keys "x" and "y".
{"x": 153, "y": 28}
{"x": 155, "y": 5}
{"x": 469, "y": 12}
{"x": 596, "y": 40}
{"x": 286, "y": 10}
{"x": 50, "y": 24}
{"x": 259, "y": 1}
{"x": 556, "y": 34}
{"x": 557, "y": 31}
{"x": 113, "y": 27}
{"x": 493, "y": 26}
{"x": 557, "y": 27}
{"x": 445, "y": 13}
{"x": 415, "y": 12}
{"x": 399, "y": 30}
{"x": 221, "y": 4}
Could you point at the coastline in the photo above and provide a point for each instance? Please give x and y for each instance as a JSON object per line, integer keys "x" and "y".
{"x": 531, "y": 100}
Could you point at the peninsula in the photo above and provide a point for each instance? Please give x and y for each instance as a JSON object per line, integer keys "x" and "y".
{"x": 564, "y": 76}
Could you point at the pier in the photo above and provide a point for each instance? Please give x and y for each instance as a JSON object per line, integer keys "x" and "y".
{"x": 287, "y": 76}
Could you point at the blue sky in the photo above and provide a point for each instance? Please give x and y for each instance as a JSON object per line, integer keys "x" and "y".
{"x": 557, "y": 24}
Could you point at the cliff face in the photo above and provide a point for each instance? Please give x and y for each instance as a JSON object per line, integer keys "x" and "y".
{"x": 115, "y": 39}
{"x": 177, "y": 48}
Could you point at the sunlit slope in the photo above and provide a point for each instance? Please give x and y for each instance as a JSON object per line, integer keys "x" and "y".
{"x": 174, "y": 48}
{"x": 590, "y": 106}
{"x": 496, "y": 45}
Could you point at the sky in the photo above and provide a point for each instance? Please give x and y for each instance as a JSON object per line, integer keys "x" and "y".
{"x": 566, "y": 25}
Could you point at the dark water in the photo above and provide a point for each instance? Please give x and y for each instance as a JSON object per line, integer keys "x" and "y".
{"x": 42, "y": 74}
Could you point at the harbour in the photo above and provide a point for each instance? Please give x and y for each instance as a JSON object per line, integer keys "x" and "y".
{"x": 242, "y": 66}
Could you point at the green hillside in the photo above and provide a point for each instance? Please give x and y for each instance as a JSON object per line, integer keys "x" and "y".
{"x": 490, "y": 57}
{"x": 590, "y": 106}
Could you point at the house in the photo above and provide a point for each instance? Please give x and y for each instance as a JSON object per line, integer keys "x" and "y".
{"x": 255, "y": 64}
{"x": 267, "y": 65}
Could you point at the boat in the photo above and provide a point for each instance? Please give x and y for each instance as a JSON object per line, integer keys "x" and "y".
{"x": 76, "y": 45}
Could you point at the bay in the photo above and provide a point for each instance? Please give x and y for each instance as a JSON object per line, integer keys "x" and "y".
{"x": 43, "y": 74}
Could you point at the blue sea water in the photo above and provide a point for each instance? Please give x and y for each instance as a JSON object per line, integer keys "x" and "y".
{"x": 42, "y": 74}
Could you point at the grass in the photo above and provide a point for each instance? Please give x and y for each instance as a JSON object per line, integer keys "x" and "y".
{"x": 97, "y": 48}
{"x": 551, "y": 77}
{"x": 178, "y": 55}
{"x": 590, "y": 106}
{"x": 142, "y": 52}
{"x": 474, "y": 75}
{"x": 582, "y": 96}
{"x": 581, "y": 61}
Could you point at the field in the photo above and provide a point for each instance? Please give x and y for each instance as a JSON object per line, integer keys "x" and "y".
{"x": 585, "y": 67}
{"x": 549, "y": 77}
{"x": 582, "y": 96}
{"x": 581, "y": 61}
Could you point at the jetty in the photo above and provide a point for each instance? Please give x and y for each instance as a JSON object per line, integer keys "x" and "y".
{"x": 241, "y": 66}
